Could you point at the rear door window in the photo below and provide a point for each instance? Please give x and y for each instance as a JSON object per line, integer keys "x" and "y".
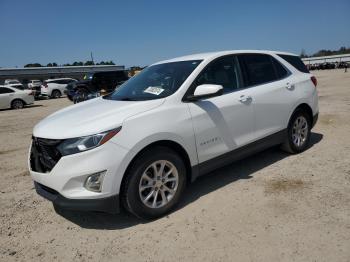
{"x": 65, "y": 81}
{"x": 296, "y": 62}
{"x": 281, "y": 71}
{"x": 257, "y": 69}
{"x": 4, "y": 90}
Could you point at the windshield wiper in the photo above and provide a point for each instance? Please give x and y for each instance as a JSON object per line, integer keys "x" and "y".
{"x": 126, "y": 99}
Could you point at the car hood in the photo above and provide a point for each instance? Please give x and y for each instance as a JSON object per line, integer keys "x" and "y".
{"x": 90, "y": 117}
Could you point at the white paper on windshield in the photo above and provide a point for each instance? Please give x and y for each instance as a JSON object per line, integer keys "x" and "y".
{"x": 154, "y": 90}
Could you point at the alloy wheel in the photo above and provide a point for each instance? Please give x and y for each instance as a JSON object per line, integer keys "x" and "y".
{"x": 17, "y": 104}
{"x": 300, "y": 131}
{"x": 158, "y": 184}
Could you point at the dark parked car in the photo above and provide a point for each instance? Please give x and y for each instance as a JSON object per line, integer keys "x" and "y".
{"x": 343, "y": 65}
{"x": 94, "y": 83}
{"x": 325, "y": 66}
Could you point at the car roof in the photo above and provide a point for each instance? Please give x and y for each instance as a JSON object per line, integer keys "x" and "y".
{"x": 213, "y": 55}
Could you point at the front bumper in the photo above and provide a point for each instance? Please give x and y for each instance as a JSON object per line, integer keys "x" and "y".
{"x": 108, "y": 204}
{"x": 66, "y": 180}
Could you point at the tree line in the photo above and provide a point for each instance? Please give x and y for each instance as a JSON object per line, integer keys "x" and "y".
{"x": 342, "y": 51}
{"x": 87, "y": 63}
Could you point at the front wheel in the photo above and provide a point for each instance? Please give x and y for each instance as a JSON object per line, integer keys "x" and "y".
{"x": 298, "y": 133}
{"x": 80, "y": 96}
{"x": 154, "y": 183}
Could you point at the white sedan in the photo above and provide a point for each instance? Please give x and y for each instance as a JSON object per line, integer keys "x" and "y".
{"x": 11, "y": 97}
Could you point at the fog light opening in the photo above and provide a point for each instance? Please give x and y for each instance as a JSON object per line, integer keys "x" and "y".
{"x": 94, "y": 181}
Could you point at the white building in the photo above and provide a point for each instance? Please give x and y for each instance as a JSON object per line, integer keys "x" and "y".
{"x": 328, "y": 59}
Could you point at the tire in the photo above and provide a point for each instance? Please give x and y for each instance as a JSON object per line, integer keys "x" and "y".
{"x": 81, "y": 95}
{"x": 17, "y": 104}
{"x": 55, "y": 94}
{"x": 142, "y": 188}
{"x": 298, "y": 132}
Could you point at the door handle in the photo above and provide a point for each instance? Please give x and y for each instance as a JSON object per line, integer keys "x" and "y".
{"x": 245, "y": 99}
{"x": 290, "y": 86}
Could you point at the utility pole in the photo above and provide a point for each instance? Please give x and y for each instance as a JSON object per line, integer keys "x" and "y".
{"x": 92, "y": 58}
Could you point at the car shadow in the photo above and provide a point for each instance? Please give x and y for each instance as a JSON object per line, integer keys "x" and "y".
{"x": 243, "y": 169}
{"x": 32, "y": 106}
{"x": 24, "y": 108}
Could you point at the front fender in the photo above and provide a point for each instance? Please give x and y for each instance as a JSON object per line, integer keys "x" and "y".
{"x": 138, "y": 147}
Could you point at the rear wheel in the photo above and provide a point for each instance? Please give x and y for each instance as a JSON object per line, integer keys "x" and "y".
{"x": 55, "y": 94}
{"x": 17, "y": 104}
{"x": 154, "y": 183}
{"x": 298, "y": 133}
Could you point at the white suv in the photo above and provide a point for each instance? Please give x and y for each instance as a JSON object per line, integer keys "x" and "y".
{"x": 55, "y": 88}
{"x": 176, "y": 120}
{"x": 32, "y": 84}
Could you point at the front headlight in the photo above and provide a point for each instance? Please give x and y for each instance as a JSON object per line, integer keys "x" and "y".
{"x": 81, "y": 144}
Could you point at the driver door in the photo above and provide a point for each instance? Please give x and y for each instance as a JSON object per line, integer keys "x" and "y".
{"x": 222, "y": 123}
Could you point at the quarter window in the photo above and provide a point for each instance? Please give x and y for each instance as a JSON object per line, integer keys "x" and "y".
{"x": 296, "y": 62}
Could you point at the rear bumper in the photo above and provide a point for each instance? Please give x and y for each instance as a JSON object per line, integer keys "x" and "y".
{"x": 109, "y": 204}
{"x": 29, "y": 100}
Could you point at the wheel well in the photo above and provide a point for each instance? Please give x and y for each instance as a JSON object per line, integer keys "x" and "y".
{"x": 172, "y": 145}
{"x": 307, "y": 109}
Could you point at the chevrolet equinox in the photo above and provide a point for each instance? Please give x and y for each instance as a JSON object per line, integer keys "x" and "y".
{"x": 139, "y": 146}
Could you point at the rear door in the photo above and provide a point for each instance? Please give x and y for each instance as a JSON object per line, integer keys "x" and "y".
{"x": 65, "y": 82}
{"x": 61, "y": 85}
{"x": 223, "y": 123}
{"x": 272, "y": 89}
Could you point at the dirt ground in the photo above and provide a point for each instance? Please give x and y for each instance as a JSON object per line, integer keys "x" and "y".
{"x": 269, "y": 207}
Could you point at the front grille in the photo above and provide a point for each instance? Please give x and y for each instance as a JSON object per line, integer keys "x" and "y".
{"x": 44, "y": 154}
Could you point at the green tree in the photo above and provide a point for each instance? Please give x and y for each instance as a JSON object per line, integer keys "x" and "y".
{"x": 88, "y": 63}
{"x": 77, "y": 63}
{"x": 33, "y": 65}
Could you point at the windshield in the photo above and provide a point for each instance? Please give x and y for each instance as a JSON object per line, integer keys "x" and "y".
{"x": 155, "y": 82}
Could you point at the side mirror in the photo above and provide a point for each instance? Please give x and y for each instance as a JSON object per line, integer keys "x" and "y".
{"x": 206, "y": 91}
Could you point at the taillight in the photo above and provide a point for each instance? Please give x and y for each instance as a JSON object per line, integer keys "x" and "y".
{"x": 45, "y": 85}
{"x": 31, "y": 93}
{"x": 314, "y": 80}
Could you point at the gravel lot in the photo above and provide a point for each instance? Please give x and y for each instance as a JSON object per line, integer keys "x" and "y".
{"x": 269, "y": 207}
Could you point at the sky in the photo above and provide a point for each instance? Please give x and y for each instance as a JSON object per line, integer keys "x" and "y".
{"x": 143, "y": 32}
